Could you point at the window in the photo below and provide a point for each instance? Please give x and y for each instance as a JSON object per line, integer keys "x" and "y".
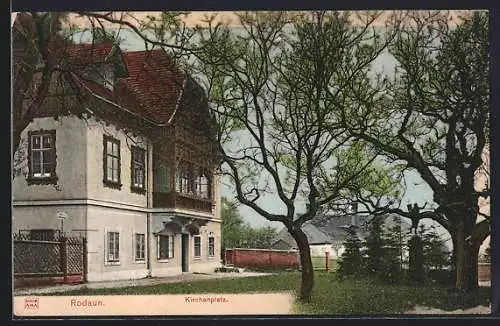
{"x": 197, "y": 246}
{"x": 165, "y": 246}
{"x": 138, "y": 168}
{"x": 140, "y": 245}
{"x": 161, "y": 178}
{"x": 113, "y": 247}
{"x": 42, "y": 234}
{"x": 183, "y": 182}
{"x": 202, "y": 184}
{"x": 42, "y": 157}
{"x": 112, "y": 162}
{"x": 211, "y": 245}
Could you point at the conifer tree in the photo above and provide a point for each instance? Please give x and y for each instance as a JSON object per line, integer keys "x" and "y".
{"x": 351, "y": 261}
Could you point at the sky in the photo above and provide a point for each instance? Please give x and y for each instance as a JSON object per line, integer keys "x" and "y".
{"x": 417, "y": 191}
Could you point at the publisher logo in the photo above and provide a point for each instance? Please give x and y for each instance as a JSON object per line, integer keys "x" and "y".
{"x": 31, "y": 303}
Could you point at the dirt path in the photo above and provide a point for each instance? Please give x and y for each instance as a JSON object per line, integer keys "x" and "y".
{"x": 479, "y": 310}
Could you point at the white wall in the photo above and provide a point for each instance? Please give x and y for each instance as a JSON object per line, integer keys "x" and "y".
{"x": 45, "y": 217}
{"x": 127, "y": 223}
{"x": 71, "y": 161}
{"x": 96, "y": 188}
{"x": 319, "y": 250}
{"x": 80, "y": 192}
{"x": 203, "y": 264}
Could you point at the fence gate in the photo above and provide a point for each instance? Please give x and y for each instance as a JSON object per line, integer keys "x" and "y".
{"x": 59, "y": 256}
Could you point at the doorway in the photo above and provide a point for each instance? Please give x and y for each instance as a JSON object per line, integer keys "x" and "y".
{"x": 185, "y": 252}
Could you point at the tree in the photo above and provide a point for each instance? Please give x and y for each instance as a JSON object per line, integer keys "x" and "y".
{"x": 438, "y": 101}
{"x": 260, "y": 238}
{"x": 351, "y": 261}
{"x": 236, "y": 233}
{"x": 232, "y": 224}
{"x": 375, "y": 251}
{"x": 436, "y": 255}
{"x": 395, "y": 243}
{"x": 34, "y": 64}
{"x": 396, "y": 240}
{"x": 276, "y": 86}
{"x": 40, "y": 44}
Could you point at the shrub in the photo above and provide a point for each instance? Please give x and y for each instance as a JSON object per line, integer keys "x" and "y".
{"x": 225, "y": 269}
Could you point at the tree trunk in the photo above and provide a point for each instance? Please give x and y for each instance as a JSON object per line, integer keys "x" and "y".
{"x": 307, "y": 283}
{"x": 466, "y": 260}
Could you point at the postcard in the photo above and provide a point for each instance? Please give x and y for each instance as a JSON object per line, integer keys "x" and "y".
{"x": 250, "y": 163}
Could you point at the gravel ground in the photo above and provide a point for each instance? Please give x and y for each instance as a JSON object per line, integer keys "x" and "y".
{"x": 479, "y": 310}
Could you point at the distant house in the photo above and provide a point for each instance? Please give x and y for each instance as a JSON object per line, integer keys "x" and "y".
{"x": 328, "y": 233}
{"x": 319, "y": 242}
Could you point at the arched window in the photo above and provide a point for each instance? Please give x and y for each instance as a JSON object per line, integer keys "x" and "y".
{"x": 183, "y": 181}
{"x": 202, "y": 184}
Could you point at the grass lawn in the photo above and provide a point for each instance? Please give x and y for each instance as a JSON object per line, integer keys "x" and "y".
{"x": 330, "y": 295}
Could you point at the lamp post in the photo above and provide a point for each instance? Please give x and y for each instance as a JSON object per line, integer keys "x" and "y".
{"x": 62, "y": 216}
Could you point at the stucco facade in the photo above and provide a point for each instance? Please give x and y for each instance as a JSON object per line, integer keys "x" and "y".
{"x": 93, "y": 209}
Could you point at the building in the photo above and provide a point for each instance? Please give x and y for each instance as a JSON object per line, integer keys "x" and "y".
{"x": 328, "y": 233}
{"x": 122, "y": 153}
{"x": 319, "y": 242}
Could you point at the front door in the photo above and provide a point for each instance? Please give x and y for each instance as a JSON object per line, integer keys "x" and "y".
{"x": 185, "y": 252}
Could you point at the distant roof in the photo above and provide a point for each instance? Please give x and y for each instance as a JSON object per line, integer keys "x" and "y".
{"x": 333, "y": 229}
{"x": 313, "y": 233}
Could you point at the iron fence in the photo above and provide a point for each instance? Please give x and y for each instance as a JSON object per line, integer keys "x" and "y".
{"x": 58, "y": 255}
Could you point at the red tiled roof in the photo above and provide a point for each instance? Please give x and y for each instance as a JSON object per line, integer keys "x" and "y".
{"x": 155, "y": 81}
{"x": 85, "y": 53}
{"x": 152, "y": 88}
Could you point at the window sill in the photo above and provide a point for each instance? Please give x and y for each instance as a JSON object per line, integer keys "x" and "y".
{"x": 42, "y": 180}
{"x": 197, "y": 258}
{"x": 211, "y": 257}
{"x": 163, "y": 260}
{"x": 113, "y": 185}
{"x": 143, "y": 261}
{"x": 112, "y": 263}
{"x": 138, "y": 190}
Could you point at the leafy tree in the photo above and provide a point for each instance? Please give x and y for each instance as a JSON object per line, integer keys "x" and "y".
{"x": 236, "y": 233}
{"x": 276, "y": 86}
{"x": 395, "y": 244}
{"x": 34, "y": 65}
{"x": 351, "y": 261}
{"x": 439, "y": 104}
{"x": 436, "y": 254}
{"x": 396, "y": 240}
{"x": 232, "y": 224}
{"x": 375, "y": 249}
{"x": 262, "y": 237}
